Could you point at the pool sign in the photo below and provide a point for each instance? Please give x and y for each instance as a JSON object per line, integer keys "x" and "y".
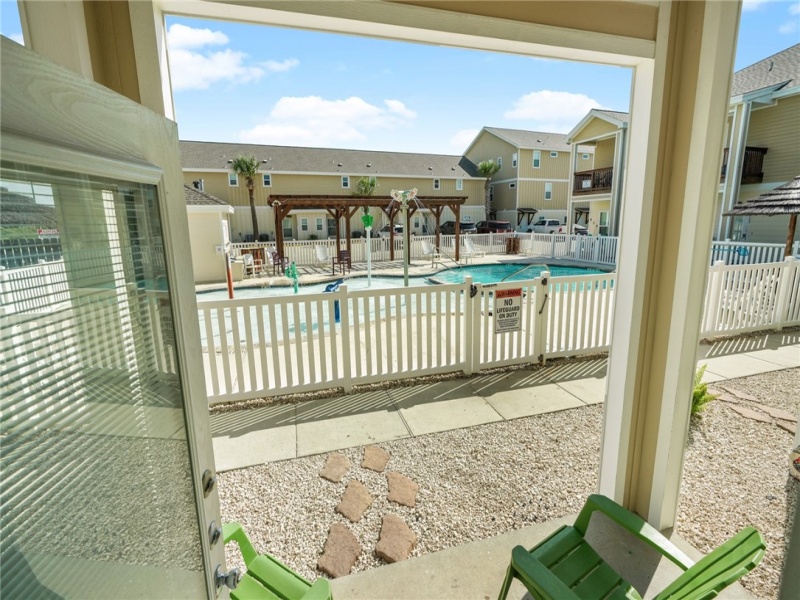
{"x": 507, "y": 310}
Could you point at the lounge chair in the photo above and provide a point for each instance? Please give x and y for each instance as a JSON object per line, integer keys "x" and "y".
{"x": 470, "y": 251}
{"x": 429, "y": 249}
{"x": 323, "y": 258}
{"x": 267, "y": 578}
{"x": 565, "y": 566}
{"x": 279, "y": 262}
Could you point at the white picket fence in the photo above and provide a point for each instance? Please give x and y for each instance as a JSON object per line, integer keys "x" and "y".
{"x": 742, "y": 298}
{"x": 744, "y": 253}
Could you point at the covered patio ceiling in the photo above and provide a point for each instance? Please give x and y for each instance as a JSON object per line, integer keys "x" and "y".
{"x": 346, "y": 207}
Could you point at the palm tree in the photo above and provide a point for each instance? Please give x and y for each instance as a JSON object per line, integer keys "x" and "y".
{"x": 487, "y": 168}
{"x": 247, "y": 167}
{"x": 365, "y": 186}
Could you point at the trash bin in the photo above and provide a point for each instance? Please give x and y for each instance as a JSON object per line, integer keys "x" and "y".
{"x": 512, "y": 245}
{"x": 330, "y": 288}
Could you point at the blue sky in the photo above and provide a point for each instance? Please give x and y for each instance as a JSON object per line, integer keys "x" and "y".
{"x": 246, "y": 83}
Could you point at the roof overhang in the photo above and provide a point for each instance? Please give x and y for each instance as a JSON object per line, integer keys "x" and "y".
{"x": 765, "y": 95}
{"x": 592, "y": 114}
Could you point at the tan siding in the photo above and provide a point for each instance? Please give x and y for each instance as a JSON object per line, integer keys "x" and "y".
{"x": 594, "y": 214}
{"x": 531, "y": 195}
{"x": 769, "y": 230}
{"x": 604, "y": 154}
{"x": 550, "y": 168}
{"x": 205, "y": 233}
{"x": 584, "y": 164}
{"x": 505, "y": 198}
{"x": 490, "y": 147}
{"x": 778, "y": 128}
{"x": 594, "y": 128}
{"x": 216, "y": 184}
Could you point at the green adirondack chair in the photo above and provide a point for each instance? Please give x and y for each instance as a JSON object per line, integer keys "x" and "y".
{"x": 269, "y": 579}
{"x": 564, "y": 566}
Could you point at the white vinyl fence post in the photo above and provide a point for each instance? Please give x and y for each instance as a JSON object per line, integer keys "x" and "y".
{"x": 796, "y": 252}
{"x": 552, "y": 245}
{"x": 540, "y": 317}
{"x": 787, "y": 276}
{"x": 472, "y": 323}
{"x": 596, "y": 249}
{"x": 346, "y": 337}
{"x": 713, "y": 294}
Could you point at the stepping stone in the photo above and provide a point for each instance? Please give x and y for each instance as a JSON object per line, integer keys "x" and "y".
{"x": 750, "y": 414}
{"x": 789, "y": 426}
{"x": 779, "y": 413}
{"x": 375, "y": 458}
{"x": 402, "y": 489}
{"x": 715, "y": 391}
{"x": 725, "y": 397}
{"x": 335, "y": 467}
{"x": 741, "y": 395}
{"x": 341, "y": 551}
{"x": 355, "y": 501}
{"x": 396, "y": 541}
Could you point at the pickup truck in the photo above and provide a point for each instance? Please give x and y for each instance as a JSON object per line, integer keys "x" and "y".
{"x": 547, "y": 226}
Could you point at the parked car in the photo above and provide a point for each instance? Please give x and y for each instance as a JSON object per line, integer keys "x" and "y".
{"x": 449, "y": 227}
{"x": 547, "y": 226}
{"x": 384, "y": 232}
{"x": 579, "y": 229}
{"x": 494, "y": 227}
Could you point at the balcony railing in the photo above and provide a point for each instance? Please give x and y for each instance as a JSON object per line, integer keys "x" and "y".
{"x": 595, "y": 181}
{"x": 752, "y": 165}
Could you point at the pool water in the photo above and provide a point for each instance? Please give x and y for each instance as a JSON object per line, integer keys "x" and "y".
{"x": 479, "y": 274}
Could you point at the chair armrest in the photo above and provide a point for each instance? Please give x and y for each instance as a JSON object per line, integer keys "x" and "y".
{"x": 320, "y": 590}
{"x": 537, "y": 578}
{"x": 235, "y": 532}
{"x": 633, "y": 523}
{"x": 720, "y": 568}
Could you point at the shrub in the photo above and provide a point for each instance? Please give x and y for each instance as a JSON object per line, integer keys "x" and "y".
{"x": 700, "y": 395}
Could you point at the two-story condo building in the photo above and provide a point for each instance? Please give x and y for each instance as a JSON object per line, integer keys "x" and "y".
{"x": 287, "y": 170}
{"x": 534, "y": 172}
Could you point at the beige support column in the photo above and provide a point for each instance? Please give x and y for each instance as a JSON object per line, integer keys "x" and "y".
{"x": 677, "y": 120}
{"x": 56, "y": 29}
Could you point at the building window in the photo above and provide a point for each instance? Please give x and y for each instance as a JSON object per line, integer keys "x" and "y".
{"x": 416, "y": 222}
{"x": 233, "y": 180}
{"x": 267, "y": 179}
{"x": 288, "y": 231}
{"x": 331, "y": 227}
{"x": 554, "y": 155}
{"x": 303, "y": 224}
{"x": 585, "y": 156}
{"x": 319, "y": 223}
{"x": 500, "y": 161}
{"x": 548, "y": 191}
{"x": 459, "y": 184}
{"x": 437, "y": 184}
{"x": 345, "y": 181}
{"x": 512, "y": 185}
{"x": 514, "y": 160}
{"x": 537, "y": 159}
{"x": 603, "y": 229}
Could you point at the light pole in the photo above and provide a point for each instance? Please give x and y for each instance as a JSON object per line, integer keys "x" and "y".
{"x": 403, "y": 196}
{"x": 366, "y": 219}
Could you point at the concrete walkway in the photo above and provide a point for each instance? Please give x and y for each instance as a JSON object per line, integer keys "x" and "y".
{"x": 251, "y": 437}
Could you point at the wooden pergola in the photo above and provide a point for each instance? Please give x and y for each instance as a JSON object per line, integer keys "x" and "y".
{"x": 346, "y": 207}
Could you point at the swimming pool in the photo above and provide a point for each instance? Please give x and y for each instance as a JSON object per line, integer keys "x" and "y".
{"x": 479, "y": 274}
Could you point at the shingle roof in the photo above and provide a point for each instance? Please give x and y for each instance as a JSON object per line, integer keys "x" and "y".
{"x": 783, "y": 67}
{"x": 614, "y": 114}
{"x": 522, "y": 138}
{"x": 215, "y": 155}
{"x": 195, "y": 197}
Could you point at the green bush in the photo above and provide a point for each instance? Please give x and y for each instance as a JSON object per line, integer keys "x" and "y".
{"x": 700, "y": 395}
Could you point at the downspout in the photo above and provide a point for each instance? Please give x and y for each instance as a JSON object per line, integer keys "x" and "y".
{"x": 618, "y": 180}
{"x": 570, "y": 187}
{"x": 735, "y": 168}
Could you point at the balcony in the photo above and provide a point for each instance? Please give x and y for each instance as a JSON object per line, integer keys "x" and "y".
{"x": 596, "y": 181}
{"x": 752, "y": 165}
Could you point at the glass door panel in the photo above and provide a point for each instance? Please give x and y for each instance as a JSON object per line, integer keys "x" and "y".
{"x": 97, "y": 498}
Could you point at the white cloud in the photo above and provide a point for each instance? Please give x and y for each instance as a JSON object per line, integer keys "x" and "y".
{"x": 195, "y": 71}
{"x": 794, "y": 9}
{"x": 461, "y": 139}
{"x": 181, "y": 36}
{"x": 279, "y": 67}
{"x": 316, "y": 121}
{"x": 792, "y": 24}
{"x": 751, "y": 5}
{"x": 552, "y": 111}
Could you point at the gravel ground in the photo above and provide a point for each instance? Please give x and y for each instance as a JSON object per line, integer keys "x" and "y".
{"x": 483, "y": 481}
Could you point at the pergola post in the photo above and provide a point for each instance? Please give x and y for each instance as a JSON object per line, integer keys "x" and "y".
{"x": 677, "y": 120}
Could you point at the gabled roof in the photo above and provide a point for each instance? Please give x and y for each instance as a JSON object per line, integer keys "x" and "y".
{"x": 195, "y": 197}
{"x": 529, "y": 140}
{"x": 294, "y": 159}
{"x": 616, "y": 118}
{"x": 781, "y": 69}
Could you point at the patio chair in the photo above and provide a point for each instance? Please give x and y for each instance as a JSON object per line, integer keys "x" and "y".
{"x": 429, "y": 249}
{"x": 471, "y": 250}
{"x": 564, "y": 566}
{"x": 343, "y": 260}
{"x": 323, "y": 258}
{"x": 267, "y": 578}
{"x": 279, "y": 262}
